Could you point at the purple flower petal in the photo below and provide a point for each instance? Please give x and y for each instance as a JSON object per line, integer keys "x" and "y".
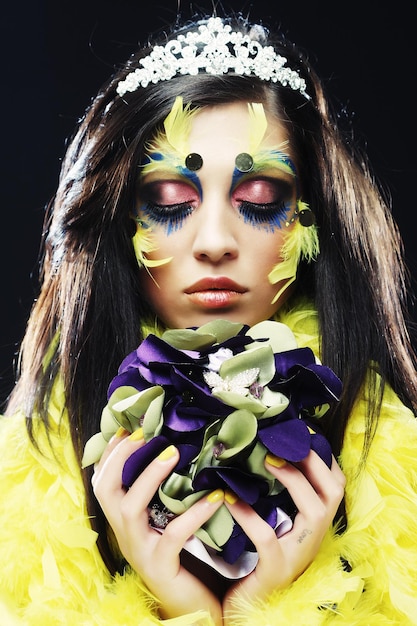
{"x": 321, "y": 446}
{"x": 246, "y": 486}
{"x": 180, "y": 422}
{"x": 141, "y": 458}
{"x": 284, "y": 361}
{"x": 289, "y": 439}
{"x": 155, "y": 358}
{"x": 129, "y": 378}
{"x": 235, "y": 545}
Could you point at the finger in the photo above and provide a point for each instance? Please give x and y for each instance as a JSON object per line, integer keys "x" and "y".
{"x": 315, "y": 489}
{"x": 120, "y": 434}
{"x": 255, "y": 527}
{"x": 180, "y": 529}
{"x": 107, "y": 485}
{"x": 263, "y": 538}
{"x": 328, "y": 483}
{"x": 146, "y": 485}
{"x": 314, "y": 465}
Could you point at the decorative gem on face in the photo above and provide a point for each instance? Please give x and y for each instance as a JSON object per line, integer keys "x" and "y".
{"x": 194, "y": 161}
{"x": 306, "y": 217}
{"x": 244, "y": 162}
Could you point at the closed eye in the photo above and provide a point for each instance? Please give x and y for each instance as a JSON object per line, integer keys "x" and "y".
{"x": 168, "y": 202}
{"x": 265, "y": 201}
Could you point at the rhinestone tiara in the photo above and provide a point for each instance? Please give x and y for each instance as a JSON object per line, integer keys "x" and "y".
{"x": 216, "y": 49}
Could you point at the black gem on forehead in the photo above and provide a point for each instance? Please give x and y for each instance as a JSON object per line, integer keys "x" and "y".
{"x": 193, "y": 161}
{"x": 244, "y": 162}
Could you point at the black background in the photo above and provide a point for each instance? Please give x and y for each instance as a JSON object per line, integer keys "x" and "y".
{"x": 56, "y": 54}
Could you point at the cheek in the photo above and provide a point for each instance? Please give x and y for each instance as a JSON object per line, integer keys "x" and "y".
{"x": 164, "y": 245}
{"x": 262, "y": 245}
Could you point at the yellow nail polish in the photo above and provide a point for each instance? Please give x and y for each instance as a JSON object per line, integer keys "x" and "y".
{"x": 215, "y": 496}
{"x": 120, "y": 432}
{"x": 275, "y": 461}
{"x": 167, "y": 454}
{"x": 137, "y": 435}
{"x": 230, "y": 497}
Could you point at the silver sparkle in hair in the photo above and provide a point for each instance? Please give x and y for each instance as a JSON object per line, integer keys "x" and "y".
{"x": 216, "y": 49}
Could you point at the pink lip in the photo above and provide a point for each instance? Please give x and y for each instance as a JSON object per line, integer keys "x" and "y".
{"x": 215, "y": 292}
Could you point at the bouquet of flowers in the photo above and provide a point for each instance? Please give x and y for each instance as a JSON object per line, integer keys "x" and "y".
{"x": 225, "y": 395}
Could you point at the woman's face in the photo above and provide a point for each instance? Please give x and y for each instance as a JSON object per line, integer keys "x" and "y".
{"x": 222, "y": 228}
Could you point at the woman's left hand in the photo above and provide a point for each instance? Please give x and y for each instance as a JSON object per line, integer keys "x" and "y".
{"x": 317, "y": 491}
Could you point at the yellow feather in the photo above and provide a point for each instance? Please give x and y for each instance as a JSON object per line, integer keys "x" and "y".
{"x": 177, "y": 126}
{"x": 143, "y": 244}
{"x": 257, "y": 125}
{"x": 171, "y": 143}
{"x": 300, "y": 243}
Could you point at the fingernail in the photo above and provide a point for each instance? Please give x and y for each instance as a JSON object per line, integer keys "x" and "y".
{"x": 215, "y": 496}
{"x": 137, "y": 435}
{"x": 275, "y": 461}
{"x": 120, "y": 432}
{"x": 167, "y": 454}
{"x": 230, "y": 497}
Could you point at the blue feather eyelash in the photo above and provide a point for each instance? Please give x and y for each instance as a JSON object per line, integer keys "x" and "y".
{"x": 270, "y": 216}
{"x": 171, "y": 217}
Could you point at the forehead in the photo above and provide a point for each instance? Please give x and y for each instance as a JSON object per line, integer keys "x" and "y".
{"x": 232, "y": 127}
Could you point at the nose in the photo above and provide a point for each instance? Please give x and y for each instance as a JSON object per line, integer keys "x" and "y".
{"x": 215, "y": 237}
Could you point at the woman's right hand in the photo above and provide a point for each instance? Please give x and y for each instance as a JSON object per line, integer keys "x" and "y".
{"x": 154, "y": 555}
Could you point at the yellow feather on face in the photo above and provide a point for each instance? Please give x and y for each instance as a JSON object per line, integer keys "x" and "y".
{"x": 257, "y": 125}
{"x": 178, "y": 126}
{"x": 300, "y": 243}
{"x": 143, "y": 244}
{"x": 169, "y": 147}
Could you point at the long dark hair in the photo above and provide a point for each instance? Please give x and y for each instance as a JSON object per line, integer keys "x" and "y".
{"x": 91, "y": 308}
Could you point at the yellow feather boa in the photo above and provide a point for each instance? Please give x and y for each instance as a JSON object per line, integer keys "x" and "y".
{"x": 51, "y": 572}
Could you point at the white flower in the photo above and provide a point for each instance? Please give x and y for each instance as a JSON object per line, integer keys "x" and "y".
{"x": 237, "y": 384}
{"x": 217, "y": 358}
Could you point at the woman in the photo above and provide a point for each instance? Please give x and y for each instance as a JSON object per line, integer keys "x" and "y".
{"x": 208, "y": 179}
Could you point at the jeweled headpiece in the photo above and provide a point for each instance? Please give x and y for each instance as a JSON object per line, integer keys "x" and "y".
{"x": 215, "y": 49}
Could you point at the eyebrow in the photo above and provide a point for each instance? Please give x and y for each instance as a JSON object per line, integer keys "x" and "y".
{"x": 268, "y": 159}
{"x": 158, "y": 162}
{"x": 274, "y": 158}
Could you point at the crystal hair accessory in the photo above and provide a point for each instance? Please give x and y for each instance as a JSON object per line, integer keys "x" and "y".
{"x": 216, "y": 49}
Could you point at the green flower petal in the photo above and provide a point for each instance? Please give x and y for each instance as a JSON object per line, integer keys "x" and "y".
{"x": 153, "y": 419}
{"x": 93, "y": 450}
{"x": 108, "y": 423}
{"x": 205, "y": 457}
{"x": 235, "y": 400}
{"x": 217, "y": 530}
{"x": 226, "y": 440}
{"x": 188, "y": 339}
{"x": 255, "y": 464}
{"x": 259, "y": 357}
{"x": 177, "y": 494}
{"x": 275, "y": 401}
{"x": 279, "y": 336}
{"x": 221, "y": 329}
{"x": 213, "y": 332}
{"x": 129, "y": 406}
{"x": 236, "y": 433}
